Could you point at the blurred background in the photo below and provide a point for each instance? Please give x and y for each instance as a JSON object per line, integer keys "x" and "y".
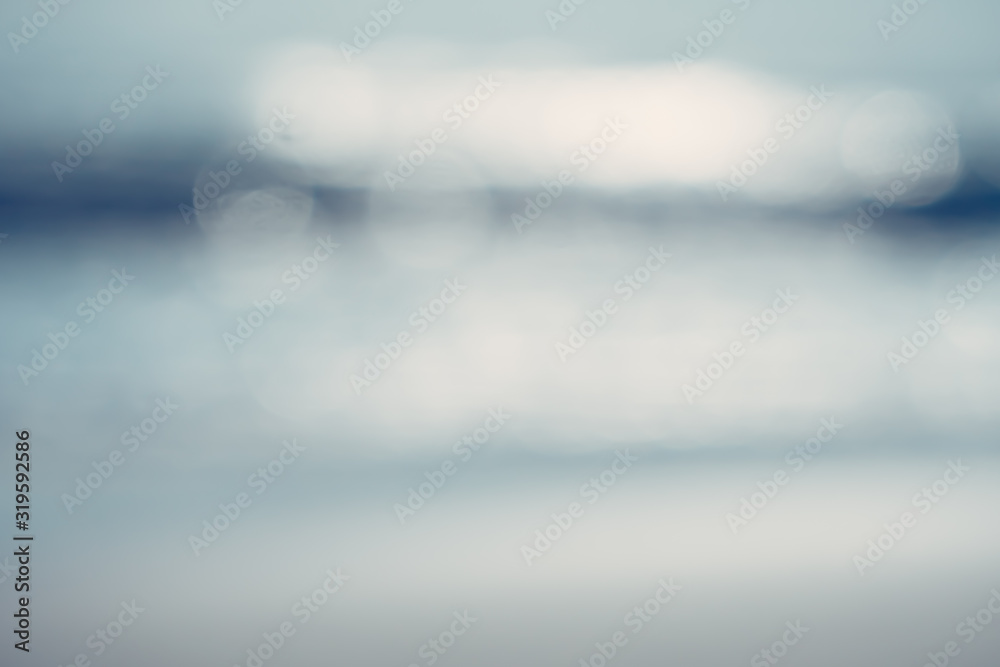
{"x": 462, "y": 259}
